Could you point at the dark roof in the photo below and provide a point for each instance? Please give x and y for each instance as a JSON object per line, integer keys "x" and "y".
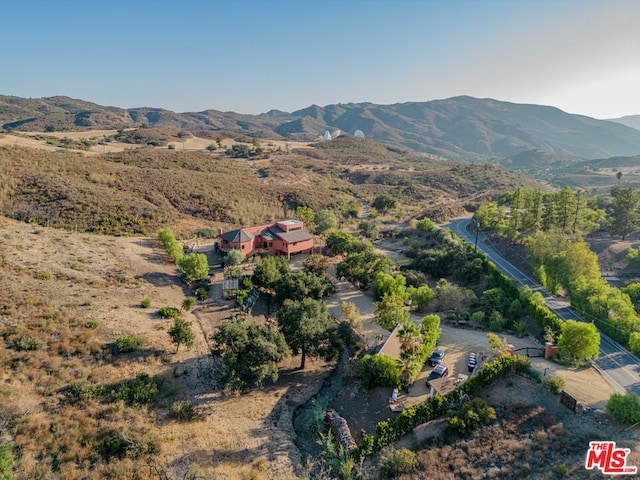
{"x": 291, "y": 237}
{"x": 236, "y": 236}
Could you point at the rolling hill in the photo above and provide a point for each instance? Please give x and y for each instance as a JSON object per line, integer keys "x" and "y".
{"x": 632, "y": 121}
{"x": 462, "y": 128}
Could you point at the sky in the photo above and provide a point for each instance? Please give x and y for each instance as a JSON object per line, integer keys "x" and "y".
{"x": 582, "y": 56}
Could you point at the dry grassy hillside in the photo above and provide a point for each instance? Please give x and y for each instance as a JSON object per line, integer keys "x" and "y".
{"x": 73, "y": 407}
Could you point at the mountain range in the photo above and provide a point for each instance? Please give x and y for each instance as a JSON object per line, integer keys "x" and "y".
{"x": 515, "y": 135}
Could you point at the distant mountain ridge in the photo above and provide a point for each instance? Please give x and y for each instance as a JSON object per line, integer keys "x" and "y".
{"x": 632, "y": 121}
{"x": 463, "y": 128}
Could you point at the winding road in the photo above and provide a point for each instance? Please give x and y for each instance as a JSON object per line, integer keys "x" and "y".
{"x": 618, "y": 366}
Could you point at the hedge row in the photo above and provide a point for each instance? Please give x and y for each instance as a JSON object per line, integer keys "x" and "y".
{"x": 390, "y": 430}
{"x": 541, "y": 314}
{"x": 170, "y": 243}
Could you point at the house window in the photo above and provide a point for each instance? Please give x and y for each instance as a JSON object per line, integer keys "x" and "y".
{"x": 242, "y": 247}
{"x": 295, "y": 243}
{"x": 271, "y": 244}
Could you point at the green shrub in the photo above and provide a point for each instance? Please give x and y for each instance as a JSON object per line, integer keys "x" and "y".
{"x": 6, "y": 461}
{"x": 520, "y": 327}
{"x": 379, "y": 371}
{"x": 86, "y": 391}
{"x": 471, "y": 416}
{"x": 129, "y": 343}
{"x": 403, "y": 461}
{"x": 145, "y": 303}
{"x": 26, "y": 343}
{"x": 624, "y": 408}
{"x": 476, "y": 319}
{"x": 116, "y": 445}
{"x": 202, "y": 294}
{"x": 43, "y": 276}
{"x": 185, "y": 411}
{"x": 93, "y": 324}
{"x": 169, "y": 312}
{"x": 554, "y": 384}
{"x": 241, "y": 296}
{"x": 562, "y": 470}
{"x": 139, "y": 391}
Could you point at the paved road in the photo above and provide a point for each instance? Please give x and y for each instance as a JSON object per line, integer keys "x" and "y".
{"x": 618, "y": 366}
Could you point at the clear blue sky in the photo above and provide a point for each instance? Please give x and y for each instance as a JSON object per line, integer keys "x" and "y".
{"x": 582, "y": 56}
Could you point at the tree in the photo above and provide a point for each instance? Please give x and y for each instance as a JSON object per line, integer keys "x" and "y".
{"x": 579, "y": 340}
{"x": 410, "y": 338}
{"x": 390, "y": 311}
{"x": 489, "y": 215}
{"x": 250, "y": 353}
{"x": 195, "y": 266}
{"x": 181, "y": 333}
{"x": 425, "y": 224}
{"x": 299, "y": 285}
{"x": 452, "y": 298}
{"x": 306, "y": 215}
{"x": 234, "y": 257}
{"x": 362, "y": 267}
{"x": 340, "y": 242}
{"x": 624, "y": 216}
{"x": 497, "y": 343}
{"x": 325, "y": 220}
{"x": 384, "y": 203}
{"x": 351, "y": 313}
{"x": 316, "y": 263}
{"x": 212, "y": 147}
{"x": 269, "y": 271}
{"x": 624, "y": 408}
{"x": 368, "y": 228}
{"x": 306, "y": 327}
{"x": 619, "y": 175}
{"x": 387, "y": 284}
{"x": 420, "y": 297}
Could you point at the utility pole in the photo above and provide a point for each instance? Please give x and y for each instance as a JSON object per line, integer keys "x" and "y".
{"x": 475, "y": 245}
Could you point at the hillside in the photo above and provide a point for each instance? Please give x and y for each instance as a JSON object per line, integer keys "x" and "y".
{"x": 466, "y": 128}
{"x": 632, "y": 121}
{"x": 139, "y": 191}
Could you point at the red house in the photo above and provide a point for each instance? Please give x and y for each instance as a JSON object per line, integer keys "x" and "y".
{"x": 280, "y": 238}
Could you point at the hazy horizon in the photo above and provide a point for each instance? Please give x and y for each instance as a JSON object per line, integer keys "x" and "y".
{"x": 252, "y": 57}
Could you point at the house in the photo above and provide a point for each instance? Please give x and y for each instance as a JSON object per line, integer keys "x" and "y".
{"x": 285, "y": 237}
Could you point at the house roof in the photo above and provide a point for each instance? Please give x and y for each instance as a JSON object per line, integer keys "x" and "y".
{"x": 297, "y": 236}
{"x": 445, "y": 385}
{"x": 237, "y": 236}
{"x": 391, "y": 348}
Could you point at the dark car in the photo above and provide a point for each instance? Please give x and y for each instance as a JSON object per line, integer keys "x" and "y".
{"x": 473, "y": 362}
{"x": 438, "y": 372}
{"x": 436, "y": 357}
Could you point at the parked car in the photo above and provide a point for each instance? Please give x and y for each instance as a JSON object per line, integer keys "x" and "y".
{"x": 473, "y": 362}
{"x": 436, "y": 357}
{"x": 438, "y": 372}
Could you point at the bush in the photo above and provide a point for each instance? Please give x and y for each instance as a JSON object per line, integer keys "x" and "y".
{"x": 93, "y": 324}
{"x": 169, "y": 312}
{"x": 472, "y": 416}
{"x": 139, "y": 391}
{"x": 185, "y": 412}
{"x": 26, "y": 343}
{"x": 202, "y": 294}
{"x": 554, "y": 384}
{"x": 624, "y": 408}
{"x": 379, "y": 371}
{"x": 129, "y": 343}
{"x": 145, "y": 303}
{"x": 403, "y": 461}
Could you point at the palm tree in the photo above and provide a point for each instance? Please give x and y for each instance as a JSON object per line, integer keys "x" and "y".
{"x": 410, "y": 339}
